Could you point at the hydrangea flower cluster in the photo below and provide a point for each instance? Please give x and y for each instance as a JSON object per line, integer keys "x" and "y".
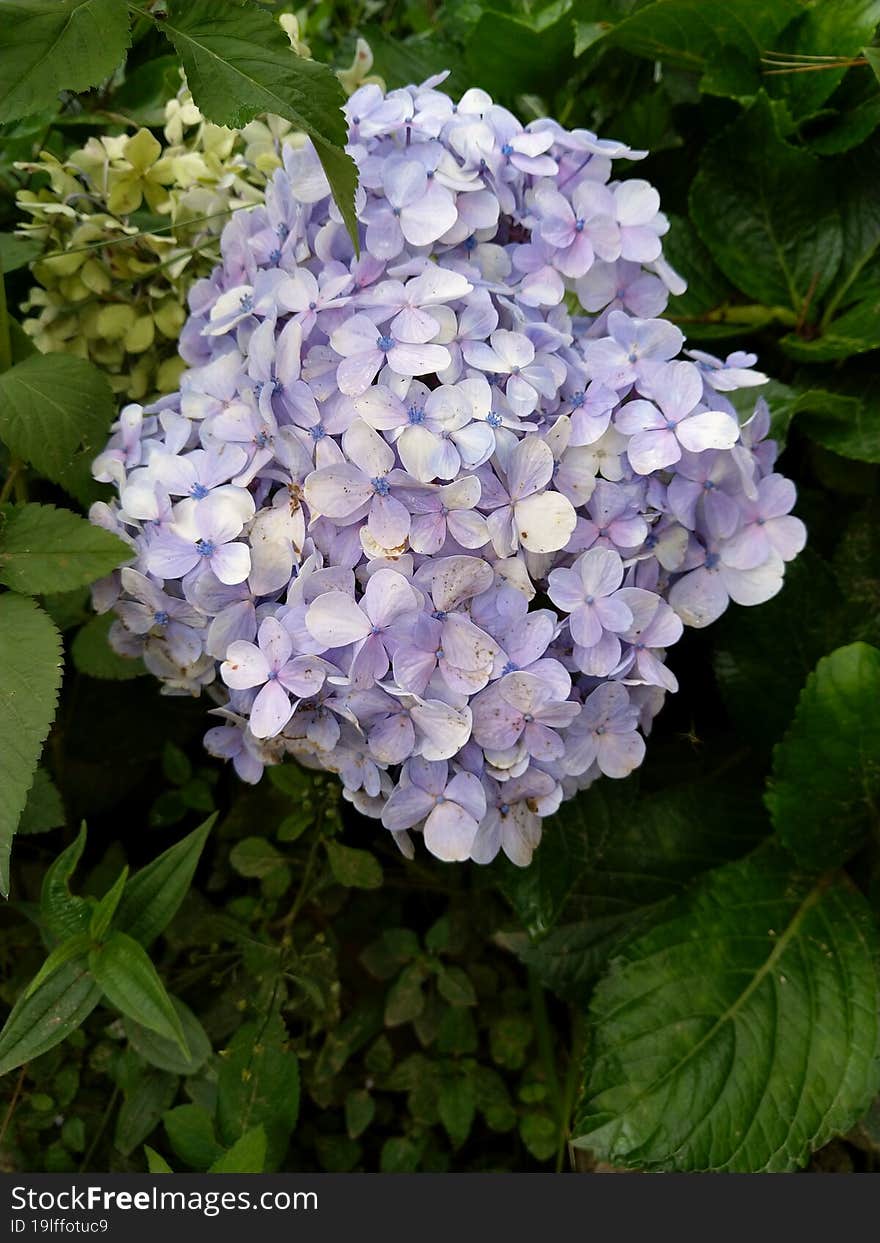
{"x": 431, "y": 516}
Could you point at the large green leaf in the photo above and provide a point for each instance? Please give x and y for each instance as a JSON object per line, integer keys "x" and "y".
{"x": 52, "y": 45}
{"x": 164, "y": 1053}
{"x": 54, "y": 412}
{"x": 39, "y": 1022}
{"x": 239, "y": 63}
{"x": 763, "y": 656}
{"x": 259, "y": 1085}
{"x": 153, "y": 894}
{"x": 826, "y": 772}
{"x": 768, "y": 213}
{"x": 722, "y": 40}
{"x": 511, "y": 53}
{"x": 146, "y": 1099}
{"x": 740, "y": 1033}
{"x": 246, "y": 1156}
{"x": 838, "y": 29}
{"x": 190, "y": 1131}
{"x": 92, "y": 654}
{"x": 44, "y": 549}
{"x": 608, "y": 863}
{"x": 30, "y": 675}
{"x": 129, "y": 982}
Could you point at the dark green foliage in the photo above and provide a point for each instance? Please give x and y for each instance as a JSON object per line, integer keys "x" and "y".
{"x": 220, "y": 978}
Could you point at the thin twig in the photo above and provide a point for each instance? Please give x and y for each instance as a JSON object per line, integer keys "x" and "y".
{"x": 12, "y": 1104}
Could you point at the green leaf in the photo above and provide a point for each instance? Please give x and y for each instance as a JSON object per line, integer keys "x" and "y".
{"x": 30, "y": 675}
{"x": 841, "y": 29}
{"x": 141, "y": 1111}
{"x": 872, "y": 56}
{"x": 848, "y": 426}
{"x": 511, "y": 54}
{"x": 130, "y": 982}
{"x": 255, "y": 857}
{"x": 708, "y": 289}
{"x": 47, "y": 549}
{"x": 156, "y": 1164}
{"x": 153, "y": 894}
{"x": 38, "y": 1023}
{"x": 457, "y": 1105}
{"x": 768, "y": 213}
{"x": 165, "y": 1054}
{"x": 763, "y": 656}
{"x": 855, "y": 331}
{"x": 540, "y": 1134}
{"x": 190, "y": 1131}
{"x": 405, "y": 1000}
{"x": 16, "y": 252}
{"x": 246, "y": 1156}
{"x": 740, "y": 1033}
{"x": 356, "y": 869}
{"x": 360, "y": 1109}
{"x": 826, "y": 772}
{"x": 258, "y": 1084}
{"x": 52, "y": 45}
{"x": 54, "y": 412}
{"x": 62, "y": 912}
{"x": 104, "y": 910}
{"x": 92, "y": 654}
{"x": 608, "y": 864}
{"x": 44, "y": 809}
{"x": 722, "y": 40}
{"x": 239, "y": 63}
{"x": 454, "y": 986}
{"x": 73, "y": 948}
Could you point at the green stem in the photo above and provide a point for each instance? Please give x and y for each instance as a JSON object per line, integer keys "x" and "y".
{"x": 12, "y": 480}
{"x": 544, "y": 1035}
{"x": 750, "y": 315}
{"x": 569, "y": 1091}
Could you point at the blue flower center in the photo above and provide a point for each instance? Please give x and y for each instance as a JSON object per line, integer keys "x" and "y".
{"x": 261, "y": 439}
{"x": 579, "y": 225}
{"x": 578, "y": 400}
{"x": 708, "y": 485}
{"x": 439, "y": 615}
{"x": 384, "y": 343}
{"x": 317, "y": 432}
{"x": 504, "y": 809}
{"x": 380, "y": 486}
{"x": 161, "y": 618}
{"x": 470, "y": 243}
{"x": 416, "y": 415}
{"x": 507, "y": 149}
{"x": 712, "y": 559}
{"x": 528, "y": 718}
{"x": 205, "y": 547}
{"x": 493, "y": 419}
{"x": 271, "y": 675}
{"x": 510, "y": 667}
{"x": 246, "y": 302}
{"x": 198, "y": 491}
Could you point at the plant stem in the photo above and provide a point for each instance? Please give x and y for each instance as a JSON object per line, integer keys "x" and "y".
{"x": 544, "y": 1035}
{"x": 572, "y": 1079}
{"x": 102, "y": 1126}
{"x": 12, "y": 1104}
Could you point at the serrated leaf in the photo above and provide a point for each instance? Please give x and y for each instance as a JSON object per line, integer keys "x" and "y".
{"x": 165, "y": 1054}
{"x": 55, "y": 411}
{"x": 608, "y": 864}
{"x": 246, "y": 1156}
{"x": 190, "y": 1131}
{"x": 44, "y": 809}
{"x": 767, "y": 211}
{"x": 30, "y": 675}
{"x": 239, "y": 63}
{"x": 44, "y": 549}
{"x": 356, "y": 869}
{"x": 92, "y": 654}
{"x": 259, "y": 1085}
{"x": 58, "y": 1008}
{"x": 51, "y": 45}
{"x": 62, "y": 912}
{"x": 840, "y": 28}
{"x": 153, "y": 895}
{"x": 741, "y": 1032}
{"x": 823, "y": 793}
{"x": 131, "y": 983}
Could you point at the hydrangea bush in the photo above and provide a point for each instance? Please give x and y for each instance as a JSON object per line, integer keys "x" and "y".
{"x": 431, "y": 515}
